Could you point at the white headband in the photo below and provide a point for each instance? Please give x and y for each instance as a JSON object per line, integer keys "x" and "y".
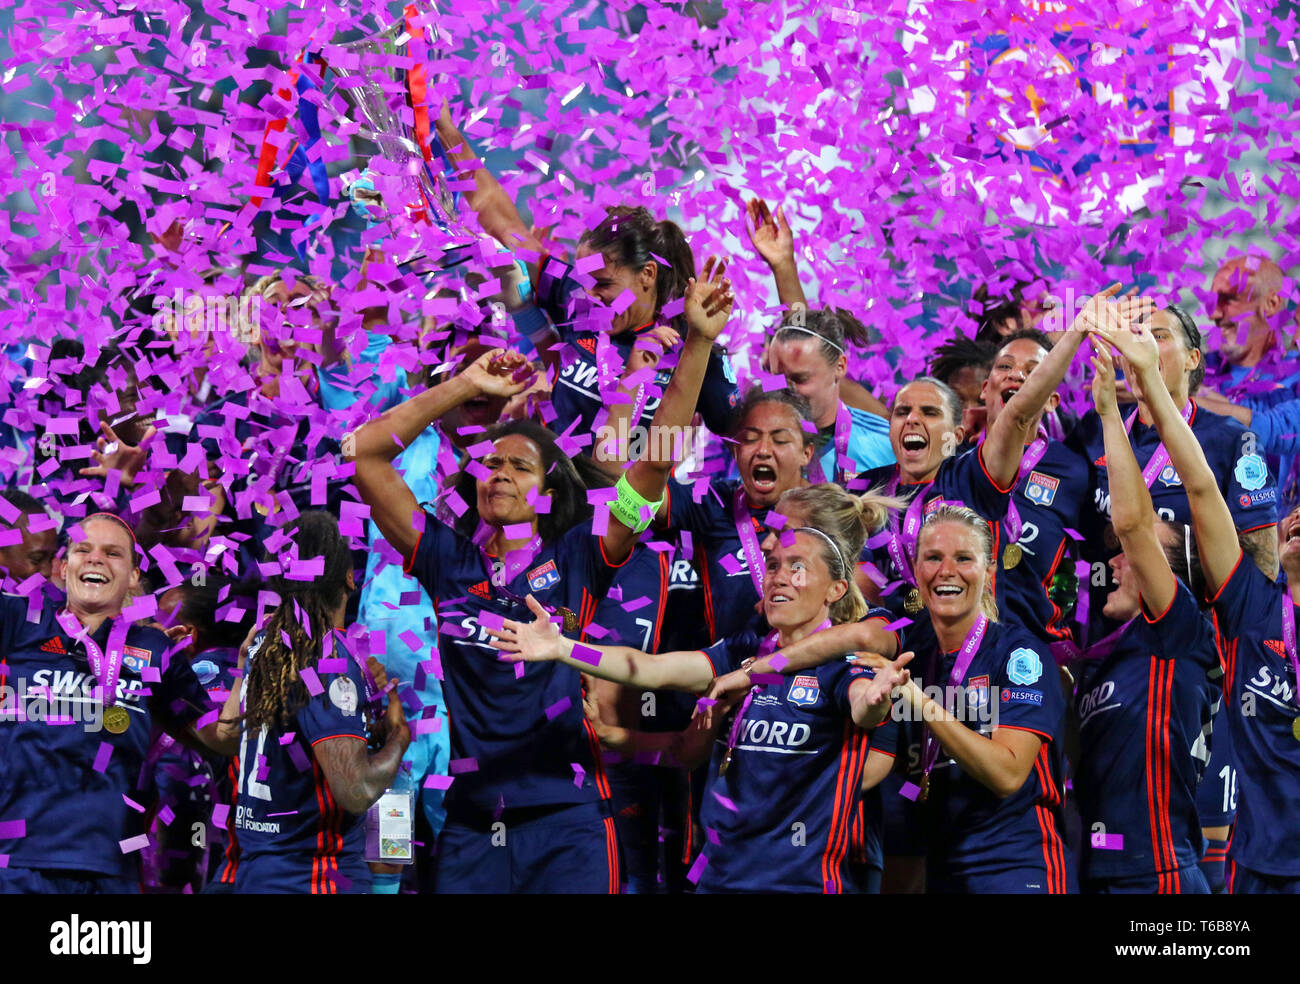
{"x": 809, "y": 331}
{"x": 834, "y": 545}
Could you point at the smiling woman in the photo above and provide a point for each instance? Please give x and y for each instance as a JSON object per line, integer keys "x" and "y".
{"x": 87, "y": 662}
{"x": 795, "y": 756}
{"x": 992, "y": 770}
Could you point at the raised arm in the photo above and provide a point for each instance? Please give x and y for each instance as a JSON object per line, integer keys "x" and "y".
{"x": 1005, "y": 443}
{"x": 374, "y": 445}
{"x": 774, "y": 242}
{"x": 1132, "y": 514}
{"x": 495, "y": 209}
{"x": 540, "y": 641}
{"x": 708, "y": 306}
{"x": 356, "y": 777}
{"x": 1210, "y": 514}
{"x": 1001, "y": 762}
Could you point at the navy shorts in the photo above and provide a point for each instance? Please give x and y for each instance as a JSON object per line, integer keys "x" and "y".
{"x": 645, "y": 799}
{"x": 1243, "y": 881}
{"x": 58, "y": 881}
{"x": 565, "y": 850}
{"x": 290, "y": 874}
{"x": 1013, "y": 881}
{"x": 1184, "y": 881}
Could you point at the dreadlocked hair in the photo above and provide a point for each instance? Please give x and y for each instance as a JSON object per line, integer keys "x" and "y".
{"x": 295, "y": 630}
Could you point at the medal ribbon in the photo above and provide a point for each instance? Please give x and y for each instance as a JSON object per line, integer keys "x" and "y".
{"x": 107, "y": 668}
{"x": 969, "y": 647}
{"x": 1028, "y": 462}
{"x": 902, "y": 547}
{"x": 1066, "y": 650}
{"x": 1161, "y": 458}
{"x": 843, "y": 428}
{"x": 1288, "y": 636}
{"x": 748, "y": 538}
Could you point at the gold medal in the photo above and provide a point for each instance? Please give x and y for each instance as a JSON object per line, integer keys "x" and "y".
{"x": 912, "y": 604}
{"x": 570, "y": 619}
{"x": 116, "y": 719}
{"x": 1011, "y": 556}
{"x": 1295, "y": 728}
{"x": 726, "y": 763}
{"x": 925, "y": 788}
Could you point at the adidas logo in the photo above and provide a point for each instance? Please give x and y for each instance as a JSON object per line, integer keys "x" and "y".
{"x": 482, "y": 590}
{"x": 588, "y": 343}
{"x": 1100, "y": 462}
{"x": 54, "y": 645}
{"x": 1276, "y": 646}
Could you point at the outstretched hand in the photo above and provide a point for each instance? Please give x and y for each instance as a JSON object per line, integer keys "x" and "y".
{"x": 113, "y": 454}
{"x": 709, "y": 301}
{"x": 530, "y": 642}
{"x": 771, "y": 236}
{"x": 721, "y": 697}
{"x": 890, "y": 675}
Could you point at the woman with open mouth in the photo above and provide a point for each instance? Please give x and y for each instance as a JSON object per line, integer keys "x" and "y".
{"x": 523, "y": 754}
{"x": 1257, "y": 625}
{"x": 926, "y": 433}
{"x": 785, "y": 785}
{"x": 989, "y": 785}
{"x": 1147, "y": 694}
{"x": 71, "y": 762}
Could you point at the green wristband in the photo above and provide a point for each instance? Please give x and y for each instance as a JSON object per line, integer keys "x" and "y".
{"x": 629, "y": 507}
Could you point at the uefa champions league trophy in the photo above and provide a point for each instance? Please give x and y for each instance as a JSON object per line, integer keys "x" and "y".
{"x": 370, "y": 88}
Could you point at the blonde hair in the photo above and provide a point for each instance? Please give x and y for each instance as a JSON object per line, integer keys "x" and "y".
{"x": 845, "y": 520}
{"x": 950, "y": 512}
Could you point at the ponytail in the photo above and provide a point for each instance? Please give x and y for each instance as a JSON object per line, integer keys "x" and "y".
{"x": 837, "y": 329}
{"x": 630, "y": 237}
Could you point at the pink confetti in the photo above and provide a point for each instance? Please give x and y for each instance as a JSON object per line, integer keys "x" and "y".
{"x": 460, "y": 766}
{"x": 909, "y": 790}
{"x": 438, "y": 782}
{"x": 311, "y": 681}
{"x": 558, "y": 708}
{"x": 102, "y": 756}
{"x": 133, "y": 844}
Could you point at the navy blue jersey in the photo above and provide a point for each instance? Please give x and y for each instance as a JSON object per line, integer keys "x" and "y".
{"x": 866, "y": 835}
{"x": 1243, "y": 479}
{"x": 293, "y": 835}
{"x": 1144, "y": 740}
{"x": 961, "y": 479}
{"x": 68, "y": 780}
{"x": 519, "y": 736}
{"x": 780, "y": 819}
{"x": 684, "y": 624}
{"x": 1216, "y": 796}
{"x": 1261, "y": 706}
{"x": 581, "y": 391}
{"x": 969, "y": 831}
{"x": 728, "y": 588}
{"x": 1049, "y": 499}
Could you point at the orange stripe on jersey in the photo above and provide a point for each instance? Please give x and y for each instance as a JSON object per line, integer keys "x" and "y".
{"x": 847, "y": 782}
{"x": 232, "y": 846}
{"x": 663, "y": 599}
{"x": 1054, "y": 630}
{"x": 710, "y": 618}
{"x": 611, "y": 851}
{"x": 1053, "y": 846}
{"x": 598, "y": 767}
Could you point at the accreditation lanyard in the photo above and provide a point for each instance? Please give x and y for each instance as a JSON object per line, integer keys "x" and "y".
{"x": 1161, "y": 458}
{"x": 107, "y": 667}
{"x": 969, "y": 647}
{"x": 1028, "y": 462}
{"x": 1288, "y": 635}
{"x": 843, "y": 428}
{"x": 748, "y": 539}
{"x": 902, "y": 544}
